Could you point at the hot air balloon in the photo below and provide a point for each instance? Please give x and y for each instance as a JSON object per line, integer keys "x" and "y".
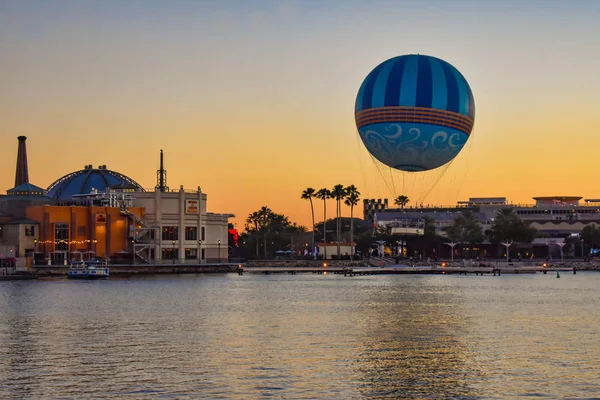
{"x": 414, "y": 112}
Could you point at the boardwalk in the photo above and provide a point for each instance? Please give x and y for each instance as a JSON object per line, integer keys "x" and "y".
{"x": 403, "y": 269}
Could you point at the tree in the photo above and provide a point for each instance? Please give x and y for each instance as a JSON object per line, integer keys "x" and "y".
{"x": 465, "y": 229}
{"x": 293, "y": 231}
{"x": 252, "y": 227}
{"x": 590, "y": 235}
{"x": 430, "y": 237}
{"x": 352, "y": 198}
{"x": 308, "y": 194}
{"x": 265, "y": 216}
{"x": 508, "y": 227}
{"x": 324, "y": 194}
{"x": 401, "y": 201}
{"x": 338, "y": 193}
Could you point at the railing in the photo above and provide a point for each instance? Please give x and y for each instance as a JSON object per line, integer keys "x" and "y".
{"x": 173, "y": 190}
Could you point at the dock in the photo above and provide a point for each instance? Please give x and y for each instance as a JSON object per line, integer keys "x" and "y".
{"x": 404, "y": 269}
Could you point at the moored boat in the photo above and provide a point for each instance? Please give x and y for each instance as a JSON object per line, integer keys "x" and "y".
{"x": 88, "y": 270}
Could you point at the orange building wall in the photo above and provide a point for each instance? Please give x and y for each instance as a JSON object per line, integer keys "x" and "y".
{"x": 116, "y": 227}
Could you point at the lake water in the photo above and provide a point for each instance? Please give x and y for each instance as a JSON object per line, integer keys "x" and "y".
{"x": 302, "y": 336}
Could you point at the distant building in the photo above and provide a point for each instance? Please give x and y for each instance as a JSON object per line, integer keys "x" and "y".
{"x": 373, "y": 206}
{"x": 554, "y": 217}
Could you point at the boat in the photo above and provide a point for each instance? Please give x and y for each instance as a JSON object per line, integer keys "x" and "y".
{"x": 88, "y": 270}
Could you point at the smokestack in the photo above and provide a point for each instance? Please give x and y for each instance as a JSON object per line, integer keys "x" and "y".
{"x": 161, "y": 183}
{"x": 22, "y": 175}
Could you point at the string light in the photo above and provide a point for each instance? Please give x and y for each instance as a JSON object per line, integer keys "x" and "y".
{"x": 67, "y": 241}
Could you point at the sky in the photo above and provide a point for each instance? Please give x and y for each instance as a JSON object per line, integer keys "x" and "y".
{"x": 253, "y": 101}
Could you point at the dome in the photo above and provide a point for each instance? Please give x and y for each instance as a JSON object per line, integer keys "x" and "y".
{"x": 88, "y": 179}
{"x": 416, "y": 81}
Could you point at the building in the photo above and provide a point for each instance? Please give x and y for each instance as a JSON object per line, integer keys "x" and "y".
{"x": 187, "y": 232}
{"x": 554, "y": 217}
{"x": 372, "y": 207}
{"x": 81, "y": 232}
{"x": 100, "y": 213}
{"x": 88, "y": 180}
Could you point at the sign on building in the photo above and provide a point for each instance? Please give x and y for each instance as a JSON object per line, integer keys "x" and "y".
{"x": 192, "y": 207}
{"x": 100, "y": 218}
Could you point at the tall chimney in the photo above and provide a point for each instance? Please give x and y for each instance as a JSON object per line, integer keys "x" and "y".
{"x": 22, "y": 175}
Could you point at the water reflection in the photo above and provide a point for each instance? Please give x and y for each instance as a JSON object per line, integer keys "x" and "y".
{"x": 302, "y": 336}
{"x": 412, "y": 346}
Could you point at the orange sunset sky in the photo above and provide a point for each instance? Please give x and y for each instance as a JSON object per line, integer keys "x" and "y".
{"x": 254, "y": 100}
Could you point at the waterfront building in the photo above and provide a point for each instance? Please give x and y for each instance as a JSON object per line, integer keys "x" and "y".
{"x": 554, "y": 217}
{"x": 88, "y": 180}
{"x": 328, "y": 251}
{"x": 100, "y": 213}
{"x": 70, "y": 232}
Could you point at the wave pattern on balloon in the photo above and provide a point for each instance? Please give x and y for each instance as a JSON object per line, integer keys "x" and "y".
{"x": 412, "y": 147}
{"x": 414, "y": 112}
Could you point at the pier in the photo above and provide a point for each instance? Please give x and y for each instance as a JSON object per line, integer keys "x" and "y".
{"x": 403, "y": 269}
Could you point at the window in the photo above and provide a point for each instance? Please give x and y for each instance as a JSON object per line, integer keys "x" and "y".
{"x": 203, "y": 233}
{"x": 61, "y": 237}
{"x": 30, "y": 230}
{"x": 191, "y": 233}
{"x": 170, "y": 253}
{"x": 170, "y": 233}
{"x": 203, "y": 252}
{"x": 191, "y": 254}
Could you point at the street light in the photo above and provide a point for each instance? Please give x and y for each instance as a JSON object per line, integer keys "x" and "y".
{"x": 200, "y": 250}
{"x": 507, "y": 245}
{"x": 173, "y": 252}
{"x": 451, "y": 244}
{"x": 133, "y": 250}
{"x": 219, "y": 243}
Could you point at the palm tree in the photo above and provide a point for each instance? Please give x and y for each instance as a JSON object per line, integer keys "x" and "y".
{"x": 324, "y": 194}
{"x": 338, "y": 193}
{"x": 252, "y": 223}
{"x": 352, "y": 197}
{"x": 308, "y": 194}
{"x": 401, "y": 201}
{"x": 265, "y": 219}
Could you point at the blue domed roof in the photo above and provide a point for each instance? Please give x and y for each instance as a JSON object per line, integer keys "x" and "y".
{"x": 87, "y": 179}
{"x": 416, "y": 81}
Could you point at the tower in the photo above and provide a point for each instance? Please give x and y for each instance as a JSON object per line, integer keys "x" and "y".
{"x": 22, "y": 174}
{"x": 161, "y": 176}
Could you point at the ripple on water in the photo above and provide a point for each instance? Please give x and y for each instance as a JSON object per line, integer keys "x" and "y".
{"x": 301, "y": 336}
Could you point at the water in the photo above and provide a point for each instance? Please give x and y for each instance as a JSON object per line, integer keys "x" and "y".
{"x": 302, "y": 336}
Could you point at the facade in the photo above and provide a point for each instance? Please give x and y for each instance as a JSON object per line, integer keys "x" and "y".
{"x": 23, "y": 234}
{"x": 186, "y": 232}
{"x": 99, "y": 213}
{"x": 554, "y": 217}
{"x": 329, "y": 250}
{"x": 81, "y": 232}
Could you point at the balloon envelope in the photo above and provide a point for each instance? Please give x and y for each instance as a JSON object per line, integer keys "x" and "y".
{"x": 414, "y": 112}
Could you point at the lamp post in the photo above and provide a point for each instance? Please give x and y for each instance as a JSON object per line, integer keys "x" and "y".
{"x": 133, "y": 251}
{"x": 451, "y": 244}
{"x": 507, "y": 244}
{"x": 200, "y": 251}
{"x": 219, "y": 243}
{"x": 561, "y": 245}
{"x": 173, "y": 252}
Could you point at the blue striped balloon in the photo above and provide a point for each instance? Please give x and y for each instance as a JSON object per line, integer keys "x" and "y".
{"x": 414, "y": 112}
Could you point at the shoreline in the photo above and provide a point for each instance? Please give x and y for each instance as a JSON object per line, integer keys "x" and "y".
{"x": 159, "y": 269}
